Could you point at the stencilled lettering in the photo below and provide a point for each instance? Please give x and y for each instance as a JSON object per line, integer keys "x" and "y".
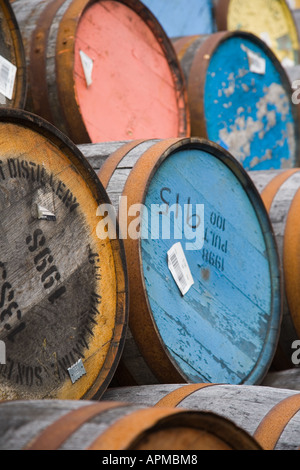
{"x": 10, "y": 313}
{"x": 14, "y": 168}
{"x": 44, "y": 263}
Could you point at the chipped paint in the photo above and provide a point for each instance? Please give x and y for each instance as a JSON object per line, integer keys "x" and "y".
{"x": 261, "y": 133}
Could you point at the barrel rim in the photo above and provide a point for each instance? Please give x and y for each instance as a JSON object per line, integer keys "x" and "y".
{"x": 198, "y": 73}
{"x": 67, "y": 94}
{"x": 143, "y": 312}
{"x": 46, "y": 129}
{"x": 21, "y": 86}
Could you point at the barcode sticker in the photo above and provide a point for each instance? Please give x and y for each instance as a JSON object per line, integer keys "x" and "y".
{"x": 87, "y": 65}
{"x": 7, "y": 77}
{"x": 179, "y": 268}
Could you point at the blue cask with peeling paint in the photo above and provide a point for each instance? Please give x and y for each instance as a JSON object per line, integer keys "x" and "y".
{"x": 225, "y": 326}
{"x": 182, "y": 18}
{"x": 241, "y": 98}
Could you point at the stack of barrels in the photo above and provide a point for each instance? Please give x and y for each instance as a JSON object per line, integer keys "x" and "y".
{"x": 149, "y": 192}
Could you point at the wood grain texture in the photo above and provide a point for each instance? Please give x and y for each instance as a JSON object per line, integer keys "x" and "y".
{"x": 114, "y": 426}
{"x": 247, "y": 111}
{"x": 63, "y": 290}
{"x": 12, "y": 49}
{"x": 247, "y": 406}
{"x": 137, "y": 88}
{"x": 220, "y": 330}
{"x": 279, "y": 190}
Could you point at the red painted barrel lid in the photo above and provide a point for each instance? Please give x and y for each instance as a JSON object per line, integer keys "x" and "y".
{"x": 124, "y": 80}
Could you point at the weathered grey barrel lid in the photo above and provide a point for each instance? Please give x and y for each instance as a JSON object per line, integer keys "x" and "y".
{"x": 63, "y": 308}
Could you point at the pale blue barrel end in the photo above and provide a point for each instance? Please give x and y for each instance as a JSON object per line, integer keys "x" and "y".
{"x": 182, "y": 18}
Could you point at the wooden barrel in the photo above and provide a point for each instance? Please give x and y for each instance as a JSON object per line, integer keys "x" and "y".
{"x": 280, "y": 191}
{"x": 271, "y": 416}
{"x": 271, "y": 21}
{"x": 63, "y": 305}
{"x": 212, "y": 316}
{"x": 181, "y": 18}
{"x": 84, "y": 425}
{"x": 102, "y": 70}
{"x": 240, "y": 97}
{"x": 13, "y": 77}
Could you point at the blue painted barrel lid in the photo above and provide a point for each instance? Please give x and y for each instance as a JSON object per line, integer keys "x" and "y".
{"x": 246, "y": 103}
{"x": 182, "y": 18}
{"x": 225, "y": 328}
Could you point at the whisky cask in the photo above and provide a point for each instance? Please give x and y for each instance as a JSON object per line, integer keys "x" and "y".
{"x": 13, "y": 75}
{"x": 102, "y": 70}
{"x": 240, "y": 97}
{"x": 84, "y": 425}
{"x": 63, "y": 304}
{"x": 285, "y": 379}
{"x": 270, "y": 415}
{"x": 199, "y": 311}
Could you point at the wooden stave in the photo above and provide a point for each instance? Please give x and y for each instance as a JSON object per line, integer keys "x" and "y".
{"x": 105, "y": 375}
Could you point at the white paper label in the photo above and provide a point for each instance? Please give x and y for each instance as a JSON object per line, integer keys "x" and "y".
{"x": 87, "y": 65}
{"x": 257, "y": 64}
{"x": 179, "y": 268}
{"x": 7, "y": 77}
